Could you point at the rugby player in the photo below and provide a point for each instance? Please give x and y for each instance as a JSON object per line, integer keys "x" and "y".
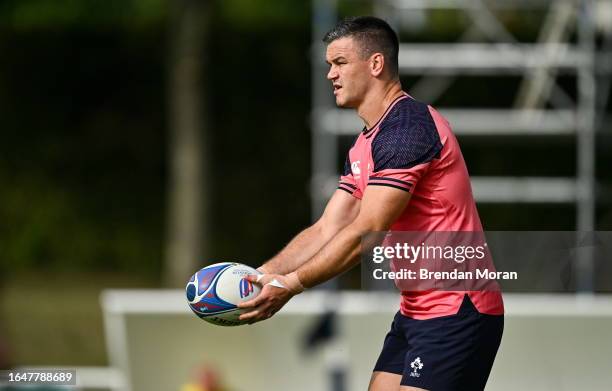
{"x": 404, "y": 172}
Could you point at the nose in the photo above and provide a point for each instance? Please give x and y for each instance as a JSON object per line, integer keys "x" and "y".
{"x": 332, "y": 74}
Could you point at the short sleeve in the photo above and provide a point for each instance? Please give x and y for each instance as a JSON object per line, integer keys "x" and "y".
{"x": 347, "y": 181}
{"x": 405, "y": 146}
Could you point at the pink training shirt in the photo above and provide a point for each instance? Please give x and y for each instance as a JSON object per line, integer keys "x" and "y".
{"x": 412, "y": 148}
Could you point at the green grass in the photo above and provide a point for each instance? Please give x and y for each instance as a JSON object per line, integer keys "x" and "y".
{"x": 56, "y": 319}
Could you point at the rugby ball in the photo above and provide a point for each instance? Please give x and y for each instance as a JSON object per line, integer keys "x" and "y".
{"x": 214, "y": 292}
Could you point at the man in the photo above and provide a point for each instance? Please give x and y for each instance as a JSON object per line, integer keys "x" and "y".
{"x": 405, "y": 172}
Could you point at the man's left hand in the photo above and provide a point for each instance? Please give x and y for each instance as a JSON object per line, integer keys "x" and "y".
{"x": 276, "y": 291}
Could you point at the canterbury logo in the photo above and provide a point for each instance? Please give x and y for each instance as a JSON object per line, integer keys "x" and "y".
{"x": 355, "y": 168}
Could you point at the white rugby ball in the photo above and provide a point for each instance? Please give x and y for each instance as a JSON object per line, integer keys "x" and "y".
{"x": 214, "y": 292}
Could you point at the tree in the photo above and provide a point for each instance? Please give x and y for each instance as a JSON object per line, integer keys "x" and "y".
{"x": 186, "y": 199}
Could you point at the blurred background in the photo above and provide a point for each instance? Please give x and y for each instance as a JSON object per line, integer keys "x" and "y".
{"x": 143, "y": 139}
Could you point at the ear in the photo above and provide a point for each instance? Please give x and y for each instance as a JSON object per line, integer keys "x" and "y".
{"x": 377, "y": 64}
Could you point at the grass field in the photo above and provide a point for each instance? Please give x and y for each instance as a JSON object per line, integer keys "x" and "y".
{"x": 55, "y": 319}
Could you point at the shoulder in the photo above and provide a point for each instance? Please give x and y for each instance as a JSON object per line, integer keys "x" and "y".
{"x": 407, "y": 137}
{"x": 347, "y": 162}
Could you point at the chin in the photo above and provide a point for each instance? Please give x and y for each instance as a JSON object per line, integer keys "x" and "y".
{"x": 343, "y": 103}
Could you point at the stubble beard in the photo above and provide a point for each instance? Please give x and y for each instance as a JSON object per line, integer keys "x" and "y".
{"x": 345, "y": 103}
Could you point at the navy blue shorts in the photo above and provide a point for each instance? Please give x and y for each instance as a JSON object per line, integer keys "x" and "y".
{"x": 454, "y": 352}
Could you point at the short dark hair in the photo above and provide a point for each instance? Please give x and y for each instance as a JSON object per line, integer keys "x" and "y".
{"x": 373, "y": 35}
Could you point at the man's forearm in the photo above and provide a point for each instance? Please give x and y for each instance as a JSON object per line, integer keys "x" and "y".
{"x": 299, "y": 250}
{"x": 337, "y": 256}
{"x": 379, "y": 208}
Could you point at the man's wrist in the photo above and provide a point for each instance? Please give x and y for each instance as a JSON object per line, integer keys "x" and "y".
{"x": 295, "y": 285}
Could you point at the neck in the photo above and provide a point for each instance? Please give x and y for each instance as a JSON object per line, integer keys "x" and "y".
{"x": 376, "y": 103}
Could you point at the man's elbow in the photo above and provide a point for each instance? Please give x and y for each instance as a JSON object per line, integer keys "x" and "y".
{"x": 324, "y": 230}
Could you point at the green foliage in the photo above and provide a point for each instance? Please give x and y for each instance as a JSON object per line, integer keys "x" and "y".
{"x": 81, "y": 151}
{"x": 83, "y": 141}
{"x": 258, "y": 14}
{"x": 47, "y": 226}
{"x": 27, "y": 15}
